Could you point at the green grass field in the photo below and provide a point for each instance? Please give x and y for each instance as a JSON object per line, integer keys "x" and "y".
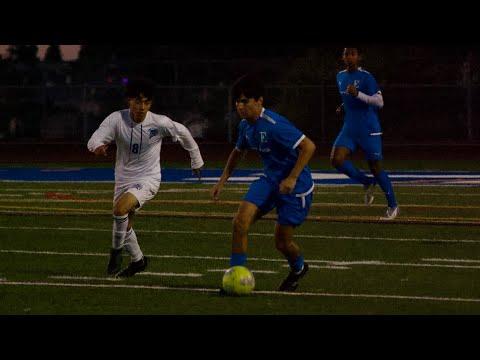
{"x": 319, "y": 163}
{"x": 55, "y": 239}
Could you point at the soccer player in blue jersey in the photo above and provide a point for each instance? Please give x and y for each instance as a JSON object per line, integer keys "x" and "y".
{"x": 361, "y": 100}
{"x": 286, "y": 185}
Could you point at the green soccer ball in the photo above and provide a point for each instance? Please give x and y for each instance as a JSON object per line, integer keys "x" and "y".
{"x": 238, "y": 280}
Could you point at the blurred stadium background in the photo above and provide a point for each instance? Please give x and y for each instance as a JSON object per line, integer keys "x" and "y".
{"x": 430, "y": 93}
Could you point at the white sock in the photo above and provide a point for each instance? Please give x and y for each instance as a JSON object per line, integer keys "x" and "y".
{"x": 120, "y": 224}
{"x": 132, "y": 247}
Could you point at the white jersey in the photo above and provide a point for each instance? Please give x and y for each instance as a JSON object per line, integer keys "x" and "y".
{"x": 139, "y": 145}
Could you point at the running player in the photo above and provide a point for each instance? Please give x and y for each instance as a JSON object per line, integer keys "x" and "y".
{"x": 287, "y": 184}
{"x": 138, "y": 134}
{"x": 361, "y": 99}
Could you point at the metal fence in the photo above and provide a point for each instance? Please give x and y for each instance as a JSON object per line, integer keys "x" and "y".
{"x": 412, "y": 113}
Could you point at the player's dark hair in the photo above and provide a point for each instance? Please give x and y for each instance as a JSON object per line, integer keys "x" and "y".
{"x": 138, "y": 86}
{"x": 350, "y": 46}
{"x": 250, "y": 86}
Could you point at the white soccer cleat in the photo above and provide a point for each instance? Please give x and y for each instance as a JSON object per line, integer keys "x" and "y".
{"x": 369, "y": 189}
{"x": 391, "y": 214}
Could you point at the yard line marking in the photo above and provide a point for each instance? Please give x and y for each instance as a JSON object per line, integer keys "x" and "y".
{"x": 147, "y": 273}
{"x": 100, "y": 191}
{"x": 260, "y": 292}
{"x": 430, "y": 265}
{"x": 361, "y": 262}
{"x": 397, "y": 193}
{"x": 329, "y": 267}
{"x": 226, "y": 202}
{"x": 106, "y": 254}
{"x": 53, "y": 211}
{"x": 180, "y": 190}
{"x": 223, "y": 258}
{"x": 41, "y": 191}
{"x": 453, "y": 260}
{"x": 220, "y": 233}
{"x": 253, "y": 271}
{"x": 345, "y": 263}
{"x": 66, "y": 277}
{"x": 50, "y": 253}
{"x": 381, "y": 263}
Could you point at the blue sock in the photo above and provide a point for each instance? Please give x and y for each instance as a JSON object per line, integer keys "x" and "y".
{"x": 384, "y": 182}
{"x": 352, "y": 172}
{"x": 238, "y": 259}
{"x": 297, "y": 264}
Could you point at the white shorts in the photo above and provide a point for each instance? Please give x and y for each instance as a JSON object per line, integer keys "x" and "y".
{"x": 143, "y": 190}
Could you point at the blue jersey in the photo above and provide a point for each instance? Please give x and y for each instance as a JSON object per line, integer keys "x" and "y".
{"x": 358, "y": 114}
{"x": 276, "y": 140}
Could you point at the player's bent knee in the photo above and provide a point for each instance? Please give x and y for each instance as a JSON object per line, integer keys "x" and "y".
{"x": 120, "y": 210}
{"x": 375, "y": 168}
{"x": 337, "y": 161}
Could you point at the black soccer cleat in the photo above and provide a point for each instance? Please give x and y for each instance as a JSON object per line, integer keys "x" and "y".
{"x": 115, "y": 262}
{"x": 134, "y": 267}
{"x": 290, "y": 284}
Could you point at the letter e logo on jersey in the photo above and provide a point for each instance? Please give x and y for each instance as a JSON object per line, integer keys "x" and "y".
{"x": 152, "y": 133}
{"x": 263, "y": 137}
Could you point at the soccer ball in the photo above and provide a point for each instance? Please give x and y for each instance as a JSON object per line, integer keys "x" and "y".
{"x": 238, "y": 280}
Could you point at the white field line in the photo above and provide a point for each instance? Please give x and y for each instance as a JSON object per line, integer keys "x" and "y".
{"x": 260, "y": 292}
{"x": 180, "y": 190}
{"x": 344, "y": 263}
{"x": 381, "y": 263}
{"x": 222, "y": 202}
{"x": 58, "y": 182}
{"x": 253, "y": 271}
{"x": 223, "y": 233}
{"x": 452, "y": 260}
{"x": 55, "y": 189}
{"x": 147, "y": 273}
{"x": 331, "y": 267}
{"x": 224, "y": 258}
{"x": 105, "y": 191}
{"x": 67, "y": 277}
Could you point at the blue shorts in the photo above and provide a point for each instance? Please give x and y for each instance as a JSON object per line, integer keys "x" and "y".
{"x": 292, "y": 209}
{"x": 369, "y": 142}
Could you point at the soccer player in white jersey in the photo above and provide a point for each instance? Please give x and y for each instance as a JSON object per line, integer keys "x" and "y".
{"x": 138, "y": 135}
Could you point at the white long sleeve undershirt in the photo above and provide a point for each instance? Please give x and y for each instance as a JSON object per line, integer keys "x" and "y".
{"x": 376, "y": 100}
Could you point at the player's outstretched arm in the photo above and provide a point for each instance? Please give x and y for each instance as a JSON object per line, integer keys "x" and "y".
{"x": 232, "y": 162}
{"x": 306, "y": 150}
{"x": 189, "y": 144}
{"x": 103, "y": 136}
